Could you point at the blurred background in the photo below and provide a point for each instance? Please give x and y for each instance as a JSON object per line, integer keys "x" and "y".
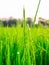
{"x": 15, "y": 7}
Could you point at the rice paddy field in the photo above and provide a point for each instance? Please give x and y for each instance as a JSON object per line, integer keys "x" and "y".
{"x": 20, "y": 46}
{"x": 24, "y": 45}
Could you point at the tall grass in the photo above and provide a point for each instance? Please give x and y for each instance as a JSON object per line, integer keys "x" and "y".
{"x": 37, "y": 11}
{"x": 24, "y": 46}
{"x": 14, "y": 51}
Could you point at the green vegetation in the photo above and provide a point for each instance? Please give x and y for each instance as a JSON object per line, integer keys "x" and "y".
{"x": 37, "y": 11}
{"x": 24, "y": 45}
{"x": 31, "y": 50}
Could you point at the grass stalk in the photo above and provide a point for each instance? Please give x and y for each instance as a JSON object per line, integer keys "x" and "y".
{"x": 37, "y": 11}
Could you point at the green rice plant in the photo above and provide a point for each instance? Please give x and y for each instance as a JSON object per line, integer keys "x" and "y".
{"x": 31, "y": 50}
{"x": 0, "y": 52}
{"x": 33, "y": 61}
{"x": 37, "y": 11}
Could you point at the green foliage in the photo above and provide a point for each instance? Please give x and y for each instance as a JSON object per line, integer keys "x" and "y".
{"x": 31, "y": 50}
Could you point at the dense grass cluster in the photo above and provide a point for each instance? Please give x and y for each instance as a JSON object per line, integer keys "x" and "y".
{"x": 24, "y": 45}
{"x": 31, "y": 48}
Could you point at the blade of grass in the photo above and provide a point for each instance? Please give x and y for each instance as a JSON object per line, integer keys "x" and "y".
{"x": 37, "y": 11}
